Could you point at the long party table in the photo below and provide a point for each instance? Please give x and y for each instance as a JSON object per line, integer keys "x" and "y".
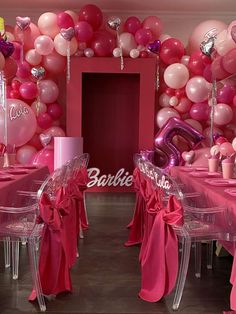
{"x": 218, "y": 194}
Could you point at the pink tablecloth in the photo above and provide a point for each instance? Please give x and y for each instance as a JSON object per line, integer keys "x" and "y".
{"x": 218, "y": 196}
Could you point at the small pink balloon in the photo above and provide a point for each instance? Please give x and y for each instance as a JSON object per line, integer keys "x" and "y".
{"x": 38, "y": 107}
{"x": 44, "y": 45}
{"x": 164, "y": 115}
{"x": 200, "y": 111}
{"x": 44, "y": 157}
{"x": 127, "y": 43}
{"x": 48, "y": 91}
{"x": 103, "y": 43}
{"x": 55, "y": 131}
{"x": 33, "y": 57}
{"x": 61, "y": 45}
{"x": 143, "y": 36}
{"x": 184, "y": 105}
{"x": 226, "y": 149}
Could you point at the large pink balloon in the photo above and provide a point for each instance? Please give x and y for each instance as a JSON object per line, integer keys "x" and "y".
{"x": 206, "y": 28}
{"x": 154, "y": 24}
{"x": 48, "y": 91}
{"x": 127, "y": 43}
{"x": 47, "y": 24}
{"x": 91, "y": 14}
{"x": 44, "y": 157}
{"x": 54, "y": 63}
{"x": 21, "y": 122}
{"x": 197, "y": 89}
{"x": 176, "y": 75}
{"x": 103, "y": 43}
{"x": 25, "y": 153}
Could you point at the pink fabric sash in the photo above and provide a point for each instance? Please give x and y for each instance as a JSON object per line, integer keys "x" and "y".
{"x": 159, "y": 258}
{"x": 53, "y": 261}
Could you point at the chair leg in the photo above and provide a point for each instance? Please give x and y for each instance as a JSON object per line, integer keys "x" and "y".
{"x": 183, "y": 269}
{"x": 33, "y": 252}
{"x": 7, "y": 252}
{"x": 198, "y": 259}
{"x": 15, "y": 259}
{"x": 210, "y": 247}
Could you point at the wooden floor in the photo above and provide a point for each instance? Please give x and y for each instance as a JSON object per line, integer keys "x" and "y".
{"x": 106, "y": 278}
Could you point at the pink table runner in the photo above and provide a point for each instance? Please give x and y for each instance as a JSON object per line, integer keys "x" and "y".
{"x": 218, "y": 196}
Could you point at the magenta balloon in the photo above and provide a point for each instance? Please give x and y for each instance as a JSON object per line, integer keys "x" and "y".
{"x": 164, "y": 147}
{"x": 55, "y": 111}
{"x": 200, "y": 111}
{"x": 103, "y": 43}
{"x": 198, "y": 62}
{"x": 143, "y": 36}
{"x": 229, "y": 61}
{"x": 132, "y": 24}
{"x": 28, "y": 90}
{"x": 45, "y": 157}
{"x": 226, "y": 94}
{"x": 48, "y": 91}
{"x": 54, "y": 63}
{"x": 44, "y": 120}
{"x": 83, "y": 31}
{"x": 21, "y": 122}
{"x": 64, "y": 20}
{"x": 172, "y": 50}
{"x": 91, "y": 14}
{"x": 23, "y": 70}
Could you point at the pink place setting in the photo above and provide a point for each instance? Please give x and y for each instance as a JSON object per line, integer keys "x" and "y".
{"x": 221, "y": 182}
{"x": 205, "y": 174}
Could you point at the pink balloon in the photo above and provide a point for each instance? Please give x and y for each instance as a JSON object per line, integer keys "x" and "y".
{"x": 197, "y": 62}
{"x": 28, "y": 36}
{"x": 44, "y": 120}
{"x": 184, "y": 105}
{"x": 91, "y": 14}
{"x": 73, "y": 14}
{"x": 47, "y": 24}
{"x": 223, "y": 114}
{"x": 28, "y": 90}
{"x": 2, "y": 61}
{"x": 38, "y": 107}
{"x": 143, "y": 36}
{"x": 23, "y": 70}
{"x": 103, "y": 43}
{"x": 200, "y": 111}
{"x": 21, "y": 122}
{"x": 217, "y": 69}
{"x": 164, "y": 100}
{"x": 55, "y": 111}
{"x": 35, "y": 142}
{"x": 207, "y": 74}
{"x": 197, "y": 89}
{"x": 17, "y": 50}
{"x": 45, "y": 157}
{"x": 229, "y": 61}
{"x": 154, "y": 24}
{"x": 132, "y": 24}
{"x": 55, "y": 131}
{"x": 54, "y": 63}
{"x": 127, "y": 43}
{"x": 48, "y": 91}
{"x": 64, "y": 20}
{"x": 25, "y": 153}
{"x": 172, "y": 51}
{"x": 176, "y": 75}
{"x": 164, "y": 115}
{"x": 33, "y": 57}
{"x": 83, "y": 31}
{"x": 226, "y": 94}
{"x": 201, "y": 157}
{"x": 10, "y": 68}
{"x": 61, "y": 45}
{"x": 44, "y": 45}
{"x": 206, "y": 28}
{"x": 224, "y": 43}
{"x": 226, "y": 149}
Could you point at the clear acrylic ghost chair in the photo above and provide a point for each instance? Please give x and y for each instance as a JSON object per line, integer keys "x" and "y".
{"x": 18, "y": 220}
{"x": 199, "y": 221}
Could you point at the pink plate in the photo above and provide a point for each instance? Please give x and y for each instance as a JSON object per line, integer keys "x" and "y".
{"x": 221, "y": 182}
{"x": 231, "y": 192}
{"x": 17, "y": 171}
{"x": 204, "y": 174}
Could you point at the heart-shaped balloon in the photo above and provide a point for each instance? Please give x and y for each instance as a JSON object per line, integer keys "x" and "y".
{"x": 233, "y": 33}
{"x": 155, "y": 47}
{"x": 38, "y": 72}
{"x": 114, "y": 23}
{"x": 23, "y": 22}
{"x": 67, "y": 33}
{"x": 45, "y": 139}
{"x": 188, "y": 156}
{"x": 6, "y": 48}
{"x": 207, "y": 46}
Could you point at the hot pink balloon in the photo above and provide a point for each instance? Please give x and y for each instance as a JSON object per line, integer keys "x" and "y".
{"x": 23, "y": 70}
{"x": 172, "y": 51}
{"x": 55, "y": 111}
{"x": 132, "y": 24}
{"x": 45, "y": 157}
{"x": 198, "y": 62}
{"x": 143, "y": 36}
{"x": 44, "y": 120}
{"x": 226, "y": 94}
{"x": 48, "y": 91}
{"x": 28, "y": 90}
{"x": 103, "y": 43}
{"x": 25, "y": 153}
{"x": 64, "y": 20}
{"x": 83, "y": 31}
{"x": 21, "y": 122}
{"x": 200, "y": 111}
{"x": 91, "y": 14}
{"x": 154, "y": 24}
{"x": 197, "y": 89}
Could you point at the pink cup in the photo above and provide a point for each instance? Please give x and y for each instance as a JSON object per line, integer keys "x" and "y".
{"x": 227, "y": 170}
{"x": 213, "y": 164}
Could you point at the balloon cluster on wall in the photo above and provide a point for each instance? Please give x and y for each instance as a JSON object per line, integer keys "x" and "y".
{"x": 33, "y": 56}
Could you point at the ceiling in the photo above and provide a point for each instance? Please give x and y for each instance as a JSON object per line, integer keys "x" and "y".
{"x": 126, "y": 5}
